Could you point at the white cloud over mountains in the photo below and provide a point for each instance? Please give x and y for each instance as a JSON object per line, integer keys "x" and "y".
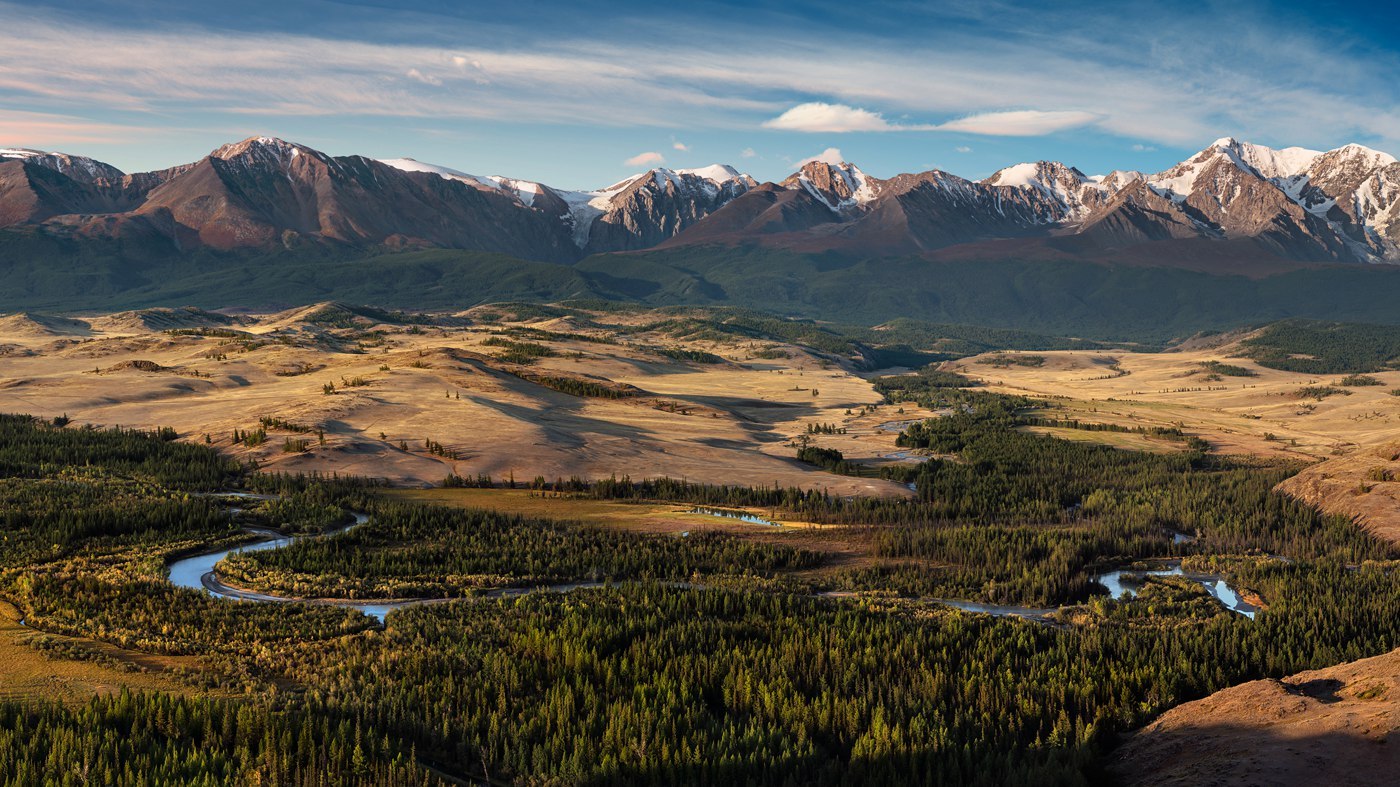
{"x": 829, "y": 156}
{"x": 836, "y": 118}
{"x": 820, "y": 117}
{"x": 1020, "y": 123}
{"x": 649, "y": 159}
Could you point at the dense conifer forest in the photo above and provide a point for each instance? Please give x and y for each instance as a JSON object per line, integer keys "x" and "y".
{"x": 704, "y": 659}
{"x": 1317, "y": 347}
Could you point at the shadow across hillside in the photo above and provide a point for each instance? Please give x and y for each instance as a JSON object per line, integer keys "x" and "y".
{"x": 1266, "y": 753}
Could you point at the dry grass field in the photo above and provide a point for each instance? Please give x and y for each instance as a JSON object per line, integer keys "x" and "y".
{"x": 844, "y": 547}
{"x": 415, "y": 402}
{"x": 1348, "y": 437}
{"x": 655, "y": 518}
{"x": 397, "y": 387}
{"x": 1327, "y": 726}
{"x": 27, "y": 673}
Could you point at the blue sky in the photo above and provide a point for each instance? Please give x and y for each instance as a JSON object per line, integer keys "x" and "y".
{"x": 571, "y": 92}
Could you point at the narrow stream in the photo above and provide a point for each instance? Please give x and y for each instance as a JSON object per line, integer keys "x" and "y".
{"x": 197, "y": 573}
{"x": 1214, "y": 584}
{"x": 1121, "y": 583}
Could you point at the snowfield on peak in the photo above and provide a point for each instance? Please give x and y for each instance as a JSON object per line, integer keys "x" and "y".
{"x": 718, "y": 174}
{"x": 1075, "y": 193}
{"x": 84, "y": 168}
{"x": 1363, "y": 155}
{"x": 523, "y": 191}
{"x": 414, "y": 165}
{"x": 1271, "y": 163}
{"x": 1026, "y": 175}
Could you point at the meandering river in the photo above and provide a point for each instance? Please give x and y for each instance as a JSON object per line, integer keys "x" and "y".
{"x": 197, "y": 573}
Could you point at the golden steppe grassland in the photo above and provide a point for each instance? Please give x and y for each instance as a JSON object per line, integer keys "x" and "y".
{"x": 413, "y": 403}
{"x": 1349, "y": 438}
{"x": 397, "y": 387}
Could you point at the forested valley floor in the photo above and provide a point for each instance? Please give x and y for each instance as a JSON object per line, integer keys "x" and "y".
{"x": 704, "y": 657}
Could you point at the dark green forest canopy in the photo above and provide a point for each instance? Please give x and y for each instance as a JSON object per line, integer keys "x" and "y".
{"x": 1314, "y": 347}
{"x": 648, "y": 682}
{"x": 40, "y": 271}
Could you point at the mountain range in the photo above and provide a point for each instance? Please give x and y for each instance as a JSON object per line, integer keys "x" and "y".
{"x": 1232, "y": 203}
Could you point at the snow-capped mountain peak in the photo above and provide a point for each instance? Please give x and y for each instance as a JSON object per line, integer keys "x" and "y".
{"x": 1343, "y": 204}
{"x": 841, "y": 187}
{"x": 1361, "y": 155}
{"x": 266, "y": 151}
{"x": 522, "y": 191}
{"x": 1049, "y": 177}
{"x": 81, "y": 168}
{"x": 1073, "y": 193}
{"x": 1043, "y": 175}
{"x": 1282, "y": 167}
{"x": 1116, "y": 180}
{"x": 706, "y": 183}
{"x": 1269, "y": 162}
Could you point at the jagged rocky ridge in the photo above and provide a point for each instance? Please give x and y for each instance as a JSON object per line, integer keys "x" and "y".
{"x": 265, "y": 193}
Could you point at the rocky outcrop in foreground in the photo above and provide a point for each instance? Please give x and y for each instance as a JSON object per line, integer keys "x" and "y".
{"x": 1334, "y": 726}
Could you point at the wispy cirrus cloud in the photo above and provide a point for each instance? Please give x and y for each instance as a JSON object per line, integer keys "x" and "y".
{"x": 427, "y": 79}
{"x": 1163, "y": 79}
{"x": 43, "y": 130}
{"x": 1020, "y": 123}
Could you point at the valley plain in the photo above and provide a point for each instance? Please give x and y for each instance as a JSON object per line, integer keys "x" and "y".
{"x": 608, "y": 394}
{"x": 676, "y": 397}
{"x": 692, "y": 476}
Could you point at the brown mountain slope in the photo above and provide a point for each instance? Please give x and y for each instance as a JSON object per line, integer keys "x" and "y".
{"x": 766, "y": 210}
{"x": 1262, "y": 206}
{"x": 31, "y": 193}
{"x": 659, "y": 206}
{"x": 265, "y": 192}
